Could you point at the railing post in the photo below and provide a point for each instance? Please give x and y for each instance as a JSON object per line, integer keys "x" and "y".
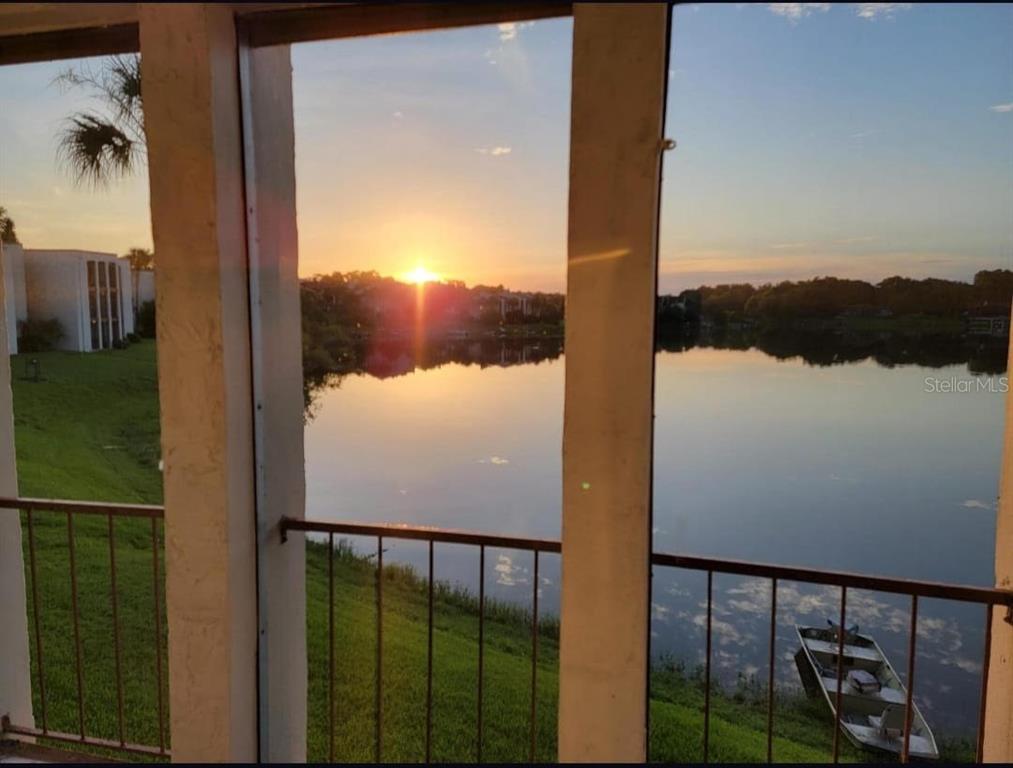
{"x": 15, "y": 669}
{"x": 617, "y": 117}
{"x": 194, "y": 141}
{"x": 997, "y": 739}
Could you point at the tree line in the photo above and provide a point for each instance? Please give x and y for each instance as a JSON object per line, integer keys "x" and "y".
{"x": 829, "y": 297}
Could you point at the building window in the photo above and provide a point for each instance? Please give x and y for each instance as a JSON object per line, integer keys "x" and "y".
{"x": 103, "y": 304}
{"x": 114, "y": 301}
{"x": 93, "y": 305}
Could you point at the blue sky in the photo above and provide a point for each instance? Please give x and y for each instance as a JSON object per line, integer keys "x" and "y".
{"x": 855, "y": 140}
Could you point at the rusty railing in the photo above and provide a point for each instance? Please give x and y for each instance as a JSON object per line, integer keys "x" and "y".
{"x": 433, "y": 536}
{"x": 988, "y": 597}
{"x": 73, "y": 510}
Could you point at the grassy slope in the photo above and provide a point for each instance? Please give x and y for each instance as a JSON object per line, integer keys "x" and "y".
{"x": 89, "y": 430}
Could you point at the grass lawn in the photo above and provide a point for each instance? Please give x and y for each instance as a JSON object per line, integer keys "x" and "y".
{"x": 89, "y": 430}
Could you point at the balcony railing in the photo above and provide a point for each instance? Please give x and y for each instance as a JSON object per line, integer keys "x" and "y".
{"x": 988, "y": 597}
{"x": 145, "y": 524}
{"x": 432, "y": 536}
{"x": 138, "y": 522}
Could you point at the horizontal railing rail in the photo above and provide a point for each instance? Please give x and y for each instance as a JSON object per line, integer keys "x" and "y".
{"x": 82, "y": 507}
{"x": 937, "y": 589}
{"x": 111, "y": 511}
{"x": 421, "y": 533}
{"x": 989, "y": 597}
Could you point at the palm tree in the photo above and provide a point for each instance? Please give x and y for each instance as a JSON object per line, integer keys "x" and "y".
{"x": 140, "y": 259}
{"x": 99, "y": 146}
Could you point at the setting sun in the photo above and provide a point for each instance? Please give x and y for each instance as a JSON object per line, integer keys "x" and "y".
{"x": 421, "y": 275}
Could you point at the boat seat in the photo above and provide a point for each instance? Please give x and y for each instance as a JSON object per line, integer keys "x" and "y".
{"x": 891, "y": 723}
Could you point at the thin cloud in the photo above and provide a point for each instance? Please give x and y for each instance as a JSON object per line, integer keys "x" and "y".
{"x": 1002, "y": 107}
{"x": 795, "y": 11}
{"x": 976, "y": 504}
{"x": 873, "y": 11}
{"x": 494, "y": 151}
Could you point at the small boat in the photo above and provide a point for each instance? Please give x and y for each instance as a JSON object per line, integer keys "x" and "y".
{"x": 873, "y": 698}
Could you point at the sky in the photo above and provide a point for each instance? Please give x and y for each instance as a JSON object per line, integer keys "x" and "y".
{"x": 858, "y": 140}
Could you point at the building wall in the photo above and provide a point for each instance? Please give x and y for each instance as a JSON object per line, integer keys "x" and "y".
{"x": 56, "y": 286}
{"x": 145, "y": 286}
{"x": 15, "y": 300}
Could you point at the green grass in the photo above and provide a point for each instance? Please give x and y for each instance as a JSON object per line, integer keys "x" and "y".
{"x": 89, "y": 430}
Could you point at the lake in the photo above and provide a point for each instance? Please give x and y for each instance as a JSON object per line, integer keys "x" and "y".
{"x": 877, "y": 454}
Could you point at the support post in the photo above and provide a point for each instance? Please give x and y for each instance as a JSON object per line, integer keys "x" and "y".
{"x": 617, "y": 118}
{"x": 269, "y": 139}
{"x": 998, "y": 733}
{"x": 15, "y": 662}
{"x": 194, "y": 139}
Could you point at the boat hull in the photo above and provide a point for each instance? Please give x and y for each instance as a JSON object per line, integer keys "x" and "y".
{"x": 862, "y": 712}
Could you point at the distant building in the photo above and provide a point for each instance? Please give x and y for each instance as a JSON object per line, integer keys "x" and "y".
{"x": 142, "y": 285}
{"x": 997, "y": 325}
{"x": 89, "y": 293}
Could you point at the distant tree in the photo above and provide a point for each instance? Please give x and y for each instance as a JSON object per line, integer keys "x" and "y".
{"x": 140, "y": 259}
{"x": 99, "y": 146}
{"x": 145, "y": 322}
{"x": 992, "y": 291}
{"x": 7, "y": 233}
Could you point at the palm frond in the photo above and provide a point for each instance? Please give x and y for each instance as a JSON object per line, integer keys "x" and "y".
{"x": 96, "y": 147}
{"x": 95, "y": 150}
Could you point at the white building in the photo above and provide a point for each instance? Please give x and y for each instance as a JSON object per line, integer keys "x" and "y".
{"x": 143, "y": 285}
{"x": 90, "y": 293}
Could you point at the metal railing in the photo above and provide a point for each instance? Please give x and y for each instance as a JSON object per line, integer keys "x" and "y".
{"x": 989, "y": 597}
{"x": 73, "y": 510}
{"x": 432, "y": 536}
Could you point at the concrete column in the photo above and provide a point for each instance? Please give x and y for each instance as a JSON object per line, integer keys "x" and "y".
{"x": 617, "y": 117}
{"x": 998, "y": 747}
{"x": 269, "y": 136}
{"x": 15, "y": 662}
{"x": 192, "y": 114}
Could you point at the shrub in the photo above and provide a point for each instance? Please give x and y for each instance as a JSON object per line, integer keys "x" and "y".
{"x": 133, "y": 338}
{"x": 146, "y": 320}
{"x": 39, "y": 335}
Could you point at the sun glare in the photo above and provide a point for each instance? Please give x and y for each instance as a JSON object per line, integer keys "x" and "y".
{"x": 421, "y": 275}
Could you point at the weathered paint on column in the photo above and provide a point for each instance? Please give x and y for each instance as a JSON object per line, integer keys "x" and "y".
{"x": 998, "y": 747}
{"x": 192, "y": 114}
{"x": 619, "y": 59}
{"x": 269, "y": 136}
{"x": 15, "y": 663}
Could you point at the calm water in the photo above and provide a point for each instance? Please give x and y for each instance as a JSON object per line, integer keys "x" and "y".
{"x": 850, "y": 466}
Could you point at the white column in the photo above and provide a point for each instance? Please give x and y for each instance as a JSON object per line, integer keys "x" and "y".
{"x": 269, "y": 136}
{"x": 192, "y": 115}
{"x": 15, "y": 663}
{"x": 998, "y": 747}
{"x": 619, "y": 59}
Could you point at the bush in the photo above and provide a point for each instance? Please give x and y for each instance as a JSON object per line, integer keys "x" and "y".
{"x": 146, "y": 320}
{"x": 120, "y": 344}
{"x": 39, "y": 335}
{"x": 133, "y": 338}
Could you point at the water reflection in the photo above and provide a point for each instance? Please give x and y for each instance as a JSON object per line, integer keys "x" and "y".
{"x": 400, "y": 355}
{"x": 817, "y": 449}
